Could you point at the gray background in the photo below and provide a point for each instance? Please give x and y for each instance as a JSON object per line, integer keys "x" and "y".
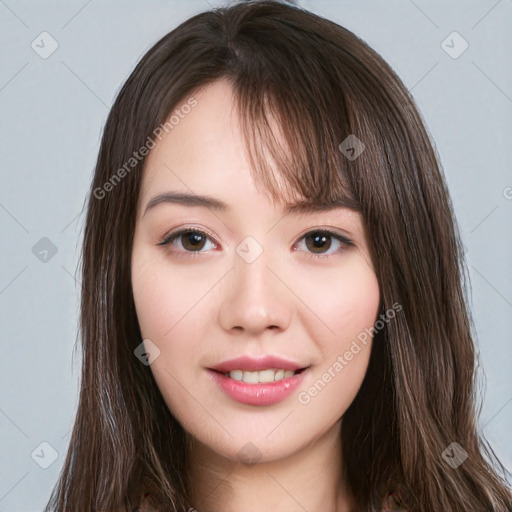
{"x": 53, "y": 111}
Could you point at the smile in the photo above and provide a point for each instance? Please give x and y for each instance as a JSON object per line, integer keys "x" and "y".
{"x": 255, "y": 387}
{"x": 262, "y": 376}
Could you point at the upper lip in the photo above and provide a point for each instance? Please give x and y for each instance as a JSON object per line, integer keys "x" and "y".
{"x": 257, "y": 363}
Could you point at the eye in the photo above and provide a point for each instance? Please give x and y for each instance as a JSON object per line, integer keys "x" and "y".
{"x": 190, "y": 240}
{"x": 320, "y": 241}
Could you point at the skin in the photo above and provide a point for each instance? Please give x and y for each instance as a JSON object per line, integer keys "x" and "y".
{"x": 201, "y": 308}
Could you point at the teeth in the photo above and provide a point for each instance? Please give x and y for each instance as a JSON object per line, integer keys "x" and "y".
{"x": 279, "y": 375}
{"x": 261, "y": 376}
{"x": 236, "y": 374}
{"x": 265, "y": 375}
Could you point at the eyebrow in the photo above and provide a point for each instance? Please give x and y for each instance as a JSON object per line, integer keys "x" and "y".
{"x": 301, "y": 207}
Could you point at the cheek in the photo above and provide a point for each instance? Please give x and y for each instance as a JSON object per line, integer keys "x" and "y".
{"x": 169, "y": 313}
{"x": 345, "y": 300}
{"x": 166, "y": 297}
{"x": 174, "y": 311}
{"x": 153, "y": 302}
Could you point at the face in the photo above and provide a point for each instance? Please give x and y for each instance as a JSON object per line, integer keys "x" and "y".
{"x": 237, "y": 288}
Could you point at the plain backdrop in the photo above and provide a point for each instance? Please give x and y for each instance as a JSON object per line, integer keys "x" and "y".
{"x": 53, "y": 109}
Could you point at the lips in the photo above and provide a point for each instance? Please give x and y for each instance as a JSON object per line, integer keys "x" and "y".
{"x": 259, "y": 394}
{"x": 260, "y": 363}
{"x": 246, "y": 379}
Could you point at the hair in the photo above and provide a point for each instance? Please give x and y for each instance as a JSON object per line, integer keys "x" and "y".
{"x": 321, "y": 83}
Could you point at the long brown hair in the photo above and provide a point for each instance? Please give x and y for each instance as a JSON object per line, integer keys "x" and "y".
{"x": 323, "y": 84}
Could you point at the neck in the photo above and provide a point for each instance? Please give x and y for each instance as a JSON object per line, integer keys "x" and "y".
{"x": 309, "y": 479}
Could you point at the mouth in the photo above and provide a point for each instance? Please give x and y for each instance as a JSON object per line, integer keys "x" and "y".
{"x": 258, "y": 388}
{"x": 264, "y": 376}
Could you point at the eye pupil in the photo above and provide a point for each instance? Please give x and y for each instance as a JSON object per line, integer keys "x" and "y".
{"x": 319, "y": 240}
{"x": 192, "y": 240}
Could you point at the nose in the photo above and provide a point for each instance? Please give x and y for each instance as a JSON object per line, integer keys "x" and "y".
{"x": 255, "y": 299}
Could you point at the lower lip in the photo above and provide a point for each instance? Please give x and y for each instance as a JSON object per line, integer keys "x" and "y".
{"x": 257, "y": 394}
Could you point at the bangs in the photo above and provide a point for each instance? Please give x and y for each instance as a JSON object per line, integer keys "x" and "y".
{"x": 291, "y": 130}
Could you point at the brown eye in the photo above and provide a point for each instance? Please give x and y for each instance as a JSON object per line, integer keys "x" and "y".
{"x": 190, "y": 240}
{"x": 318, "y": 241}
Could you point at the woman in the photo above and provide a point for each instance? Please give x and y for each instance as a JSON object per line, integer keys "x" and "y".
{"x": 273, "y": 305}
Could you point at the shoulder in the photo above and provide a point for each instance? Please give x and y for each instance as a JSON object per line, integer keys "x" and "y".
{"x": 392, "y": 502}
{"x": 148, "y": 503}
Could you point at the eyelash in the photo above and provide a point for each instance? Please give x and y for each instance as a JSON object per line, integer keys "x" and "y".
{"x": 170, "y": 237}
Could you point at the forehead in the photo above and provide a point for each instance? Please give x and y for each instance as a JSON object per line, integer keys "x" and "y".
{"x": 204, "y": 146}
{"x": 205, "y": 154}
